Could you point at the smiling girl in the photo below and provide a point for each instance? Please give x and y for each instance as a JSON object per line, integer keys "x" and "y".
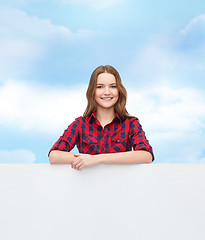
{"x": 106, "y": 134}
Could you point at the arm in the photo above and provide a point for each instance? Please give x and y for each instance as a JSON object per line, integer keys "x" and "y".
{"x": 139, "y": 141}
{"x": 60, "y": 152}
{"x": 61, "y": 157}
{"x": 132, "y": 157}
{"x": 80, "y": 161}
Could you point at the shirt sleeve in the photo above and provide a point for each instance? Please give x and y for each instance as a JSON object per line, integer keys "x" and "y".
{"x": 69, "y": 139}
{"x": 138, "y": 138}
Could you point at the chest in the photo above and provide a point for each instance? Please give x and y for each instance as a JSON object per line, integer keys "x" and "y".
{"x": 94, "y": 139}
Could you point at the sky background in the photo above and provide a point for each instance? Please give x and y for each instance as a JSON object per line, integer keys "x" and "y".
{"x": 49, "y": 49}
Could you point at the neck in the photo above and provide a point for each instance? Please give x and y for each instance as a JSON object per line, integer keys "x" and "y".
{"x": 105, "y": 115}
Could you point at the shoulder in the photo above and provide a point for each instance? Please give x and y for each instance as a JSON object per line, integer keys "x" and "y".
{"x": 81, "y": 119}
{"x": 134, "y": 123}
{"x": 78, "y": 119}
{"x": 74, "y": 124}
{"x": 132, "y": 119}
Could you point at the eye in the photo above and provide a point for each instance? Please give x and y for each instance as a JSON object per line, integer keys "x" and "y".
{"x": 114, "y": 86}
{"x": 99, "y": 86}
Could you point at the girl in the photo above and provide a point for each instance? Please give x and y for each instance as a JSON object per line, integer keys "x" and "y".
{"x": 106, "y": 134}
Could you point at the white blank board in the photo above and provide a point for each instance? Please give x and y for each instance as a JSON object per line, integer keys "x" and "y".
{"x": 122, "y": 202}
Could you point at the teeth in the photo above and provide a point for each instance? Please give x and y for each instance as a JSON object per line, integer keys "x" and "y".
{"x": 107, "y": 98}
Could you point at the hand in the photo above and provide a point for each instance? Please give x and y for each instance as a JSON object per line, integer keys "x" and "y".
{"x": 84, "y": 160}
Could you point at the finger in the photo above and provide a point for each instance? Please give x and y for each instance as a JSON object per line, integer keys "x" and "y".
{"x": 79, "y": 165}
{"x": 74, "y": 163}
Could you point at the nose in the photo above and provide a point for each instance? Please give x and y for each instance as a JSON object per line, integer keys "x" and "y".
{"x": 107, "y": 90}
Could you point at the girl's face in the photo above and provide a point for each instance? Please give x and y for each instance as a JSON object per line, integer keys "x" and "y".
{"x": 106, "y": 92}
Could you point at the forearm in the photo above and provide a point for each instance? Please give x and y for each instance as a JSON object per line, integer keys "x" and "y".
{"x": 61, "y": 157}
{"x": 126, "y": 158}
{"x": 131, "y": 157}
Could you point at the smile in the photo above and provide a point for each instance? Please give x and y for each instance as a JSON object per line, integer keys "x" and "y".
{"x": 107, "y": 98}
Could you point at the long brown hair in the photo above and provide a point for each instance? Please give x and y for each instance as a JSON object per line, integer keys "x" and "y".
{"x": 120, "y": 104}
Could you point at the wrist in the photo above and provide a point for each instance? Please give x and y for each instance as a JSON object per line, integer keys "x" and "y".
{"x": 98, "y": 158}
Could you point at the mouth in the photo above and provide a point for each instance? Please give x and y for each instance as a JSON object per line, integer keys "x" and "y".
{"x": 107, "y": 98}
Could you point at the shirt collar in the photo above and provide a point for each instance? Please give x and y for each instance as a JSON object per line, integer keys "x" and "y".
{"x": 117, "y": 117}
{"x": 93, "y": 115}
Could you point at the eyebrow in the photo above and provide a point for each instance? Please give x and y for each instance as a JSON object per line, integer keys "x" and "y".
{"x": 109, "y": 84}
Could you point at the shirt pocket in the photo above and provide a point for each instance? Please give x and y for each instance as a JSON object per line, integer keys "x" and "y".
{"x": 89, "y": 145}
{"x": 118, "y": 143}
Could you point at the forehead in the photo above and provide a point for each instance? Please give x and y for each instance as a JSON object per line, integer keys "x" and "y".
{"x": 106, "y": 78}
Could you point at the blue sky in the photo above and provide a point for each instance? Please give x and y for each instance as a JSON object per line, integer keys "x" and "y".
{"x": 48, "y": 50}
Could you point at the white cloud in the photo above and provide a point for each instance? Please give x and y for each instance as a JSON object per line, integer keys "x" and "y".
{"x": 202, "y": 161}
{"x": 163, "y": 104}
{"x": 40, "y": 108}
{"x": 100, "y": 4}
{"x": 172, "y": 109}
{"x": 172, "y": 59}
{"x": 17, "y": 156}
{"x": 25, "y": 39}
{"x": 14, "y": 2}
{"x": 154, "y": 60}
{"x": 196, "y": 24}
{"x": 192, "y": 36}
{"x": 16, "y": 24}
{"x": 173, "y": 118}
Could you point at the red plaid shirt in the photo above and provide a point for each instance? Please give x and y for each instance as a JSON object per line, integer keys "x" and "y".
{"x": 90, "y": 138}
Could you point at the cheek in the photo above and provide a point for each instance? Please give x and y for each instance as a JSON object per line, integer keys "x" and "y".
{"x": 117, "y": 93}
{"x": 97, "y": 94}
